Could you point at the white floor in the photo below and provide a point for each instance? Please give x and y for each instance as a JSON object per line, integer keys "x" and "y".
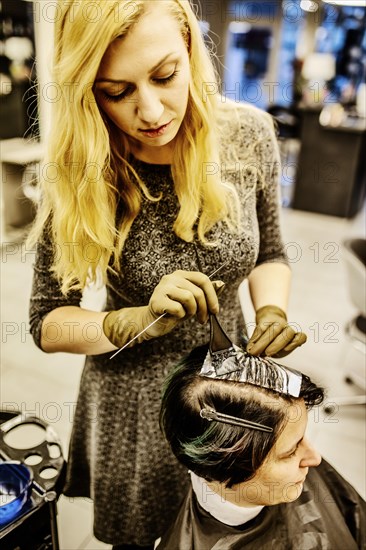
{"x": 46, "y": 385}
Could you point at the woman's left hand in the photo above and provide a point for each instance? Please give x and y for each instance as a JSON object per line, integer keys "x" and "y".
{"x": 273, "y": 336}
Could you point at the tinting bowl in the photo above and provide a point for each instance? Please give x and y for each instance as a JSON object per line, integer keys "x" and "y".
{"x": 15, "y": 489}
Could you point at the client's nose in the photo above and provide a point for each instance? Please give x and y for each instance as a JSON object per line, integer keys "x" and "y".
{"x": 311, "y": 456}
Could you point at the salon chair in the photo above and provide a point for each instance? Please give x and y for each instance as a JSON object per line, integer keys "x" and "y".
{"x": 354, "y": 252}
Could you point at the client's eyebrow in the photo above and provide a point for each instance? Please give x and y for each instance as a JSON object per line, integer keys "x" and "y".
{"x": 155, "y": 68}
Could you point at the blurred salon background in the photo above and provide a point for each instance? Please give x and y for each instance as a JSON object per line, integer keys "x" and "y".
{"x": 305, "y": 63}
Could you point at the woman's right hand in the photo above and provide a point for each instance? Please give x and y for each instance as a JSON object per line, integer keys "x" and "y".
{"x": 179, "y": 295}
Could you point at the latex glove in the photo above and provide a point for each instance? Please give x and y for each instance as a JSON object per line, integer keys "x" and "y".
{"x": 272, "y": 335}
{"x": 179, "y": 295}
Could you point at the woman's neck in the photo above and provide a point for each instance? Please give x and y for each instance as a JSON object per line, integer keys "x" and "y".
{"x": 233, "y": 495}
{"x": 153, "y": 155}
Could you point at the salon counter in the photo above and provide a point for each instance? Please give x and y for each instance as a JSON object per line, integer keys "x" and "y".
{"x": 19, "y": 162}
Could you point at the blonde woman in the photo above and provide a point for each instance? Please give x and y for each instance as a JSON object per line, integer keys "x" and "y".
{"x": 153, "y": 182}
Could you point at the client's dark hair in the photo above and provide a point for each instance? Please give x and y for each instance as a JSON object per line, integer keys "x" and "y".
{"x": 217, "y": 451}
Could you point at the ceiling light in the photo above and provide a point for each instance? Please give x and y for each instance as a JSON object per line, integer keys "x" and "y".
{"x": 319, "y": 66}
{"x": 308, "y": 5}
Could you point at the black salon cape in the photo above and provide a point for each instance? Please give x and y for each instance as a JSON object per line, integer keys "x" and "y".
{"x": 328, "y": 515}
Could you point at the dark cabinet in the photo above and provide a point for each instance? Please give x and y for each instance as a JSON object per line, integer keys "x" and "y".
{"x": 331, "y": 171}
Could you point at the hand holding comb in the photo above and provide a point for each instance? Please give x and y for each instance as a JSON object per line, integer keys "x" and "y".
{"x": 127, "y": 326}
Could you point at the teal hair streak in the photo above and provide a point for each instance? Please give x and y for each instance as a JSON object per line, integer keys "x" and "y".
{"x": 211, "y": 447}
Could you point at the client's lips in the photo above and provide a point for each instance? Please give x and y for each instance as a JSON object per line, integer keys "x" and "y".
{"x": 155, "y": 132}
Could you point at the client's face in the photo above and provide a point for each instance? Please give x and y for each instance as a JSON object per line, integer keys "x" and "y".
{"x": 281, "y": 477}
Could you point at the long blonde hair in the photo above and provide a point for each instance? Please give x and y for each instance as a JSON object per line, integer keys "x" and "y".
{"x": 86, "y": 161}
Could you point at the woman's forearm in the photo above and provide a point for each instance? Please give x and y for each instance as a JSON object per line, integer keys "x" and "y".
{"x": 269, "y": 284}
{"x": 75, "y": 330}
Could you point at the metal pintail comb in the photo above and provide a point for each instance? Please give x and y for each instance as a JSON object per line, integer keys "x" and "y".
{"x": 210, "y": 414}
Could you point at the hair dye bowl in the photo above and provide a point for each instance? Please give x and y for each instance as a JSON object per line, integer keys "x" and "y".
{"x": 15, "y": 488}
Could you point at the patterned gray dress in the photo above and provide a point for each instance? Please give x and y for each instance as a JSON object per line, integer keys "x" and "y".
{"x": 117, "y": 455}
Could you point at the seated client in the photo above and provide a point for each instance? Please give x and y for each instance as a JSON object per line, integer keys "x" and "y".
{"x": 257, "y": 482}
